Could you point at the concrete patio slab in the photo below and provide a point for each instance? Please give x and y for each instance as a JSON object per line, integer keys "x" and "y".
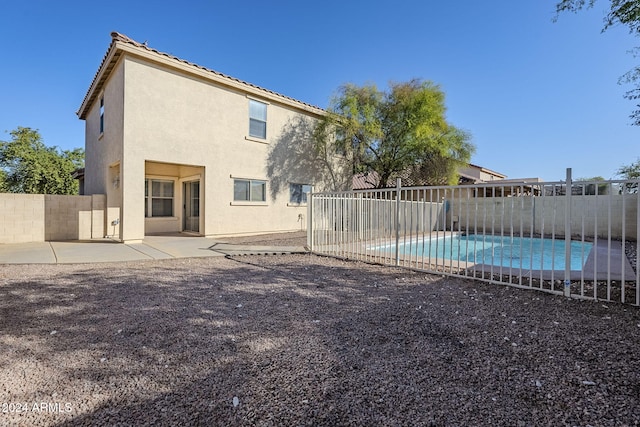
{"x": 75, "y": 252}
{"x": 150, "y": 251}
{"x": 182, "y": 247}
{"x": 27, "y": 253}
{"x": 152, "y": 247}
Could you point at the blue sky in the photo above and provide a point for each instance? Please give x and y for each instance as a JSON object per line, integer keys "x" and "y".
{"x": 537, "y": 96}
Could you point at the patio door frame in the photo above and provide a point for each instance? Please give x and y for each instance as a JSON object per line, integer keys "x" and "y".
{"x": 191, "y": 202}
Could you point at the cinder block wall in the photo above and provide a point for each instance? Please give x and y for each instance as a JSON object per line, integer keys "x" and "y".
{"x": 98, "y": 215}
{"x": 21, "y": 218}
{"x": 39, "y": 217}
{"x": 590, "y": 215}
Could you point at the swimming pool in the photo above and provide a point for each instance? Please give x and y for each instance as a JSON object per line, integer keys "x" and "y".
{"x": 515, "y": 252}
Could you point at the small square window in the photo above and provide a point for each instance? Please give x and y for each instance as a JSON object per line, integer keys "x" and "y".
{"x": 298, "y": 193}
{"x": 257, "y": 119}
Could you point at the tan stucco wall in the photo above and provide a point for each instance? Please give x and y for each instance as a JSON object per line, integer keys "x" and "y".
{"x": 104, "y": 149}
{"x": 174, "y": 119}
{"x": 167, "y": 118}
{"x": 37, "y": 218}
{"x": 103, "y": 152}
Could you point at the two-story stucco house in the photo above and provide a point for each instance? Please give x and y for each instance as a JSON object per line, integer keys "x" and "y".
{"x": 177, "y": 147}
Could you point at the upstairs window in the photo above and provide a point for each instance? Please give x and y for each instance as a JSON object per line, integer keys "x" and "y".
{"x": 298, "y": 193}
{"x": 101, "y": 115}
{"x": 249, "y": 190}
{"x": 257, "y": 119}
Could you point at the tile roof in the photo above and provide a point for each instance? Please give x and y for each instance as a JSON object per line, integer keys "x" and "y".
{"x": 111, "y": 56}
{"x": 370, "y": 180}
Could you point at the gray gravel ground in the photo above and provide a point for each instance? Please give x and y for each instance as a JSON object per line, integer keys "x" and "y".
{"x": 304, "y": 340}
{"x": 631, "y": 249}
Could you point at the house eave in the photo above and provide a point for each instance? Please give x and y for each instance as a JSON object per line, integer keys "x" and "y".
{"x": 108, "y": 64}
{"x": 121, "y": 45}
{"x": 488, "y": 171}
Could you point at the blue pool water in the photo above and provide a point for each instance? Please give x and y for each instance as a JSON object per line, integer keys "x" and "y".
{"x": 506, "y": 251}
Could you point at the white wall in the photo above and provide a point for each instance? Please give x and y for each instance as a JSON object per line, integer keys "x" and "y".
{"x": 590, "y": 215}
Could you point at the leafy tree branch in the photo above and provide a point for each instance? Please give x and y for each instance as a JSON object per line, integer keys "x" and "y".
{"x": 28, "y": 166}
{"x": 623, "y": 12}
{"x": 396, "y": 132}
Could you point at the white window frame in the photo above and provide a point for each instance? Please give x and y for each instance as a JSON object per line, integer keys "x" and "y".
{"x": 261, "y": 137}
{"x": 250, "y": 196}
{"x": 101, "y": 114}
{"x": 149, "y": 197}
{"x": 303, "y": 194}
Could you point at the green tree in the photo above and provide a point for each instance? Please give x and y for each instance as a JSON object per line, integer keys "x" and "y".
{"x": 3, "y": 181}
{"x": 28, "y": 166}
{"x": 630, "y": 172}
{"x": 627, "y": 13}
{"x": 399, "y": 131}
{"x": 593, "y": 186}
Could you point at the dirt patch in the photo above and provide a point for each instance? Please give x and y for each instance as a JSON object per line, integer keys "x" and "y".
{"x": 304, "y": 340}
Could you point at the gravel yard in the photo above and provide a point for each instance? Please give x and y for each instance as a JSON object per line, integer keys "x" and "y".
{"x": 304, "y": 340}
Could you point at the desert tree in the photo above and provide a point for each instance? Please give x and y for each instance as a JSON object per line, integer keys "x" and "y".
{"x": 630, "y": 172}
{"x": 400, "y": 131}
{"x": 28, "y": 166}
{"x": 624, "y": 12}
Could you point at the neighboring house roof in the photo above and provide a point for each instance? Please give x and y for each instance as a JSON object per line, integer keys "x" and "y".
{"x": 78, "y": 173}
{"x": 370, "y": 180}
{"x": 474, "y": 174}
{"x": 121, "y": 44}
{"x": 489, "y": 171}
{"x": 522, "y": 181}
{"x": 365, "y": 181}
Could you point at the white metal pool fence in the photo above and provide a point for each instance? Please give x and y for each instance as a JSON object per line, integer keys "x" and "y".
{"x": 471, "y": 230}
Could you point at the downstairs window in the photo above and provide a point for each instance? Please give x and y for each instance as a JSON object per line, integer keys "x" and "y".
{"x": 158, "y": 198}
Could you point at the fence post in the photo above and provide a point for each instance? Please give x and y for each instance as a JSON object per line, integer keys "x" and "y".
{"x": 637, "y": 241}
{"x": 310, "y": 220}
{"x": 567, "y": 236}
{"x": 398, "y": 186}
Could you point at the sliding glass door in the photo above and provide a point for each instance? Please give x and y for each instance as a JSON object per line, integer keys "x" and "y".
{"x": 191, "y": 203}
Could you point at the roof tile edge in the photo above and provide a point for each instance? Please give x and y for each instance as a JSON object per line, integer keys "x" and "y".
{"x": 121, "y": 38}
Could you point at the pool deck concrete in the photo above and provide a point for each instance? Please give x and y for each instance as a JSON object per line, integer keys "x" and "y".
{"x": 606, "y": 261}
{"x": 152, "y": 247}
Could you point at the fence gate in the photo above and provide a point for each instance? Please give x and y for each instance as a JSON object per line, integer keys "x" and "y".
{"x": 573, "y": 238}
